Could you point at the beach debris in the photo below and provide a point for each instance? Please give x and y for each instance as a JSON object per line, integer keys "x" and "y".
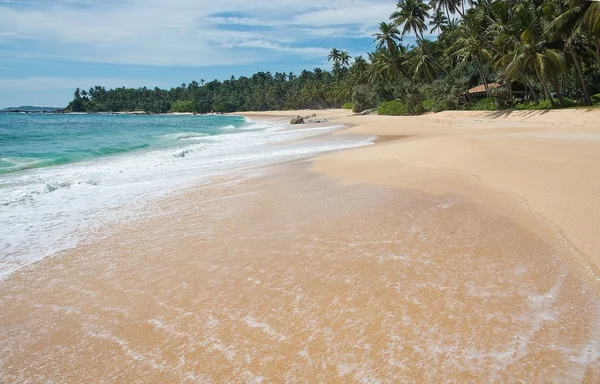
{"x": 366, "y": 112}
{"x": 297, "y": 120}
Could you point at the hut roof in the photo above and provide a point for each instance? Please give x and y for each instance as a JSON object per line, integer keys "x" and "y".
{"x": 481, "y": 88}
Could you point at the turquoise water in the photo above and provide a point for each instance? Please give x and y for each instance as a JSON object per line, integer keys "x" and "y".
{"x": 31, "y": 141}
{"x": 64, "y": 176}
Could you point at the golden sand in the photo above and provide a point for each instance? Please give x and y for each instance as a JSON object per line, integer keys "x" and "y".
{"x": 406, "y": 261}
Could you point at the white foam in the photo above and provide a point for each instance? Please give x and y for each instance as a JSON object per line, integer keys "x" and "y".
{"x": 46, "y": 210}
{"x": 185, "y": 136}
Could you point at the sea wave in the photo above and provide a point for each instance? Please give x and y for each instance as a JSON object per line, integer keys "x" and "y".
{"x": 29, "y": 192}
{"x": 185, "y": 136}
{"x": 43, "y": 210}
{"x": 18, "y": 164}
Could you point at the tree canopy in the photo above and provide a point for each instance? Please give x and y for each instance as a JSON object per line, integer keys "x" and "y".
{"x": 550, "y": 47}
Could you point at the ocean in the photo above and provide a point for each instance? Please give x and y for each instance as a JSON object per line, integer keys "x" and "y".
{"x": 63, "y": 176}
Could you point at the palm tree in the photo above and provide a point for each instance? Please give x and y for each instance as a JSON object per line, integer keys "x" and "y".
{"x": 360, "y": 63}
{"x": 334, "y": 55}
{"x": 591, "y": 23}
{"x": 386, "y": 66}
{"x": 471, "y": 46}
{"x": 344, "y": 59}
{"x": 411, "y": 14}
{"x": 421, "y": 64}
{"x": 387, "y": 37}
{"x": 438, "y": 21}
{"x": 451, "y": 6}
{"x": 567, "y": 27}
{"x": 337, "y": 69}
{"x": 341, "y": 60}
{"x": 532, "y": 55}
{"x": 506, "y": 33}
{"x": 358, "y": 73}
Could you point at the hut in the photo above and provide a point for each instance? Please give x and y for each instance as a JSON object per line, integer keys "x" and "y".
{"x": 478, "y": 92}
{"x": 518, "y": 90}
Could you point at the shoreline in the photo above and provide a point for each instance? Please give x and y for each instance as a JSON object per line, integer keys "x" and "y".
{"x": 402, "y": 260}
{"x": 58, "y": 205}
{"x": 528, "y": 145}
{"x": 373, "y": 165}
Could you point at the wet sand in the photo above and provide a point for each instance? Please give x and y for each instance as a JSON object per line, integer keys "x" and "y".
{"x": 358, "y": 266}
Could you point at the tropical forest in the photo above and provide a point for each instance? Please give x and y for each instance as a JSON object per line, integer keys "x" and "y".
{"x": 468, "y": 54}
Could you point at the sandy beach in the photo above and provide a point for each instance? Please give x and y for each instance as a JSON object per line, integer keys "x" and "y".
{"x": 459, "y": 247}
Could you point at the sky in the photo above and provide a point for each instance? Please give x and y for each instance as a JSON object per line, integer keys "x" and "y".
{"x": 50, "y": 47}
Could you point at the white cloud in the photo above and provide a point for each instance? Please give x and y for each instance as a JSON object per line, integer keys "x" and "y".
{"x": 359, "y": 14}
{"x": 70, "y": 83}
{"x": 267, "y": 45}
{"x": 182, "y": 32}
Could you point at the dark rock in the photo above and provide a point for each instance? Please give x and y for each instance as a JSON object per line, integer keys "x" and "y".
{"x": 297, "y": 120}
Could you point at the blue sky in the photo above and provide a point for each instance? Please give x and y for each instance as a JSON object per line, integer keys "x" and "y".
{"x": 50, "y": 47}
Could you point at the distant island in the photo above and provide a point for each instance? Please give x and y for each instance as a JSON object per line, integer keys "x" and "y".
{"x": 491, "y": 55}
{"x": 31, "y": 109}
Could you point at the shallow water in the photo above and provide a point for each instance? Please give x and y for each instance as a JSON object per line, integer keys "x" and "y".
{"x": 291, "y": 277}
{"x": 62, "y": 176}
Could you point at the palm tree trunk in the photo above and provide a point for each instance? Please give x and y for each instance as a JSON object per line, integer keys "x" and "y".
{"x": 536, "y": 98}
{"x": 530, "y": 86}
{"x": 597, "y": 51}
{"x": 545, "y": 88}
{"x": 482, "y": 74}
{"x": 422, "y": 40}
{"x": 586, "y": 92}
{"x": 561, "y": 101}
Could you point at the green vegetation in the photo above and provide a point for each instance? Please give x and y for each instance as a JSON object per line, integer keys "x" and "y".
{"x": 348, "y": 106}
{"x": 532, "y": 105}
{"x": 392, "y": 108}
{"x": 184, "y": 106}
{"x": 486, "y": 104}
{"x": 520, "y": 54}
{"x": 362, "y": 98}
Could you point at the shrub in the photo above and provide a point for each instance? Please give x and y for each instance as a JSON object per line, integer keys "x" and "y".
{"x": 184, "y": 106}
{"x": 444, "y": 94}
{"x": 545, "y": 104}
{"x": 568, "y": 102}
{"x": 348, "y": 106}
{"x": 596, "y": 98}
{"x": 429, "y": 105}
{"x": 502, "y": 98}
{"x": 95, "y": 107}
{"x": 532, "y": 106}
{"x": 486, "y": 104}
{"x": 525, "y": 106}
{"x": 393, "y": 108}
{"x": 413, "y": 100}
{"x": 362, "y": 99}
{"x": 76, "y": 105}
{"x": 224, "y": 105}
{"x": 438, "y": 105}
